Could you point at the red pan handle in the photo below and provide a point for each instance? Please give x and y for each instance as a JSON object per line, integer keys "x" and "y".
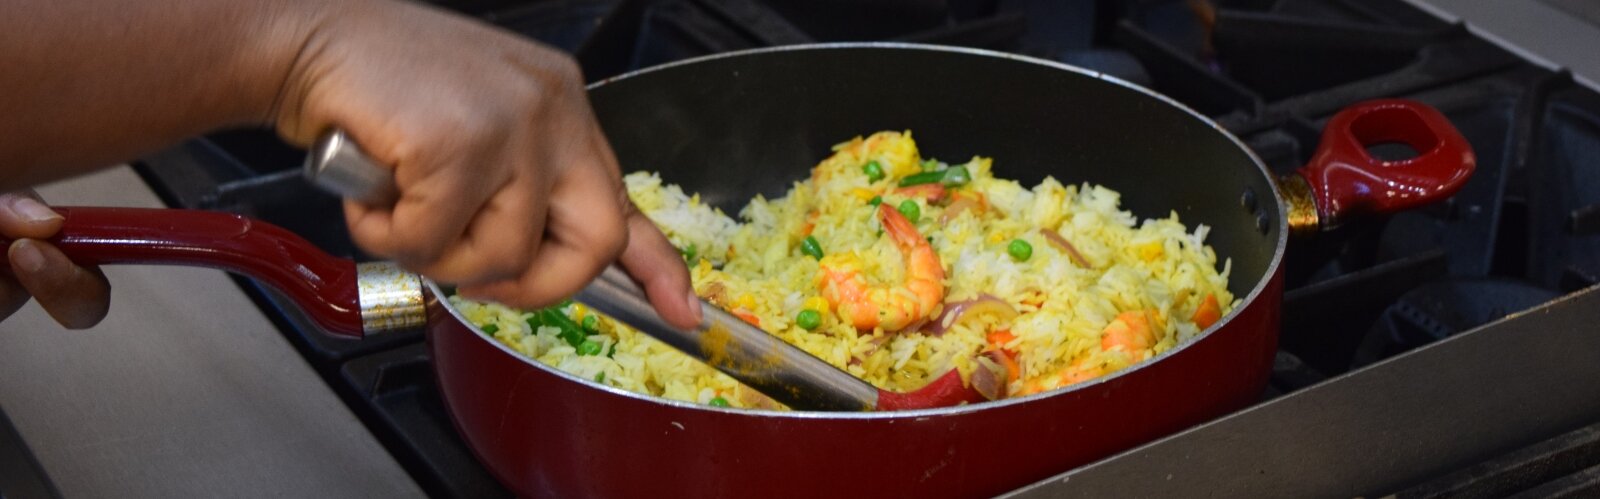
{"x": 1347, "y": 182}
{"x": 324, "y": 286}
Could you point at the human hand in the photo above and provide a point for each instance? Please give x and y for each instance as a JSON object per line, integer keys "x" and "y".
{"x": 507, "y": 186}
{"x": 76, "y": 297}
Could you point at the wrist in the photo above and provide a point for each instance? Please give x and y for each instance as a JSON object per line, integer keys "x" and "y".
{"x": 277, "y": 46}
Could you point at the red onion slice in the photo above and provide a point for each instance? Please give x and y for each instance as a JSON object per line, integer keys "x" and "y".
{"x": 989, "y": 379}
{"x": 954, "y": 311}
{"x": 1061, "y": 244}
{"x": 955, "y": 208}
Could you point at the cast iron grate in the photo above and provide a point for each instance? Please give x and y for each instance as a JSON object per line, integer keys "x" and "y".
{"x": 1524, "y": 230}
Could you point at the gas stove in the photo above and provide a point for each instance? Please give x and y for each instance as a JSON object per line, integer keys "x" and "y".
{"x": 1388, "y": 325}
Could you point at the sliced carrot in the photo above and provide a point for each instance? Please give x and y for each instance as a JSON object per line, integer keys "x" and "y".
{"x": 747, "y": 316}
{"x": 999, "y": 338}
{"x": 1208, "y": 313}
{"x": 811, "y": 223}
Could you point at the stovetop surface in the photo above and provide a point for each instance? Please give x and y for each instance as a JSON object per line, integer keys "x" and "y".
{"x": 1520, "y": 234}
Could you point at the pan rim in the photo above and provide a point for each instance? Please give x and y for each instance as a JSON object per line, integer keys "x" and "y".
{"x": 1280, "y": 244}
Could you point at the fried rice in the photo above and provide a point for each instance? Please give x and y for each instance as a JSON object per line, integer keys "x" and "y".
{"x": 1096, "y": 290}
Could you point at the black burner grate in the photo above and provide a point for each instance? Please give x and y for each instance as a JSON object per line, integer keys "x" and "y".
{"x": 1525, "y": 229}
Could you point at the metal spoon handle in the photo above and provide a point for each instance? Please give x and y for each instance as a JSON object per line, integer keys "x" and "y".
{"x": 748, "y": 354}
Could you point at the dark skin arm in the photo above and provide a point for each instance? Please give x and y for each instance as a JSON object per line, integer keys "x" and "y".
{"x": 507, "y": 186}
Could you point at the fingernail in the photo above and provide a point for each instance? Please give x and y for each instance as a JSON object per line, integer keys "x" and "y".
{"x": 694, "y": 308}
{"x": 26, "y": 256}
{"x": 32, "y": 211}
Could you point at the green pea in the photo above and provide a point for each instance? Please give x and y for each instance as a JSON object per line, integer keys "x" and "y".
{"x": 811, "y": 247}
{"x": 589, "y": 347}
{"x": 591, "y": 323}
{"x": 1020, "y": 250}
{"x": 873, "y": 170}
{"x": 719, "y": 402}
{"x": 689, "y": 253}
{"x": 491, "y": 329}
{"x": 876, "y": 200}
{"x": 957, "y": 175}
{"x": 808, "y": 319}
{"x": 910, "y": 209}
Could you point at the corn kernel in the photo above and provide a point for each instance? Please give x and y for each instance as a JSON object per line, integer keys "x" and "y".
{"x": 817, "y": 303}
{"x": 747, "y": 301}
{"x": 1149, "y": 251}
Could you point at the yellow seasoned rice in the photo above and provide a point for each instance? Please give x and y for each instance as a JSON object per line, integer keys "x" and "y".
{"x": 755, "y": 265}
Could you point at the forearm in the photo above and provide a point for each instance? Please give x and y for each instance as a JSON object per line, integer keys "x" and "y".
{"x": 88, "y": 83}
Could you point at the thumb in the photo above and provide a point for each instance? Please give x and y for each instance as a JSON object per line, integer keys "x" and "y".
{"x": 652, "y": 260}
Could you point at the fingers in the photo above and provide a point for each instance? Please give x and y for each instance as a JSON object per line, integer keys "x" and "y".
{"x": 584, "y": 232}
{"x": 652, "y": 261}
{"x": 22, "y": 215}
{"x": 74, "y": 296}
{"x": 453, "y": 228}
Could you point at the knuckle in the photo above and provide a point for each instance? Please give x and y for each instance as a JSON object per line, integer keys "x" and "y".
{"x": 559, "y": 76}
{"x": 566, "y": 72}
{"x": 504, "y": 259}
{"x": 613, "y": 239}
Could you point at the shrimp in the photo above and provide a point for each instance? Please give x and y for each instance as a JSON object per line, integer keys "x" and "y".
{"x": 1078, "y": 372}
{"x": 891, "y": 308}
{"x": 1129, "y": 332}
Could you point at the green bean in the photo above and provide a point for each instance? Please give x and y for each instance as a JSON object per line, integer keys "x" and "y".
{"x": 922, "y": 178}
{"x": 589, "y": 347}
{"x": 811, "y": 247}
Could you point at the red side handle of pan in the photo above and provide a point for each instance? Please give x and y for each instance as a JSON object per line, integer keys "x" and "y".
{"x": 1347, "y": 181}
{"x": 323, "y": 285}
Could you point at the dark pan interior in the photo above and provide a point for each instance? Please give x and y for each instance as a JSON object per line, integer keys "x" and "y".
{"x": 738, "y": 125}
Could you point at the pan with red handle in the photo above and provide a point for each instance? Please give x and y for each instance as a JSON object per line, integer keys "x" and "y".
{"x": 736, "y": 125}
